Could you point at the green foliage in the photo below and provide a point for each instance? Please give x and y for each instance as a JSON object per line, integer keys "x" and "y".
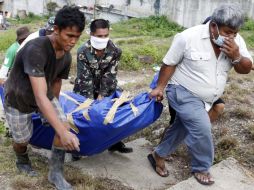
{"x": 158, "y": 26}
{"x": 31, "y": 18}
{"x": 6, "y": 39}
{"x": 247, "y": 32}
{"x": 138, "y": 41}
{"x": 250, "y": 40}
{"x": 129, "y": 62}
{"x": 248, "y": 25}
{"x": 150, "y": 50}
{"x": 2, "y": 128}
{"x": 51, "y": 7}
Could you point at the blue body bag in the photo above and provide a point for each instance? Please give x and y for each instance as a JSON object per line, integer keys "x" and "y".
{"x": 94, "y": 135}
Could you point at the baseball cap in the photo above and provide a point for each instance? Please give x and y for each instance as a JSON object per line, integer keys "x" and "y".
{"x": 22, "y": 33}
{"x": 50, "y": 24}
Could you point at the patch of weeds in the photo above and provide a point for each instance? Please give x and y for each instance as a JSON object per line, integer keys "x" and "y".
{"x": 249, "y": 156}
{"x": 138, "y": 41}
{"x": 150, "y": 50}
{"x": 81, "y": 181}
{"x": 240, "y": 81}
{"x": 250, "y": 131}
{"x": 2, "y": 128}
{"x": 158, "y": 26}
{"x": 250, "y": 40}
{"x": 241, "y": 113}
{"x": 227, "y": 143}
{"x": 7, "y": 38}
{"x": 129, "y": 62}
{"x": 224, "y": 116}
{"x": 225, "y": 148}
{"x": 242, "y": 99}
{"x": 223, "y": 131}
{"x": 234, "y": 87}
{"x": 7, "y": 142}
{"x": 31, "y": 18}
{"x": 248, "y": 25}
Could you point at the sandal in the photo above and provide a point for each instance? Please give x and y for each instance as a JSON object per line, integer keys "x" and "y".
{"x": 156, "y": 167}
{"x": 203, "y": 178}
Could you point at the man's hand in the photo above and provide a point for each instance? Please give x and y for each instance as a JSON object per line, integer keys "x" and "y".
{"x": 2, "y": 81}
{"x": 156, "y": 93}
{"x": 69, "y": 141}
{"x": 230, "y": 48}
{"x": 100, "y": 97}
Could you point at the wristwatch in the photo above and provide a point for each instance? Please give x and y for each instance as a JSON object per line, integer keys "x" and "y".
{"x": 237, "y": 60}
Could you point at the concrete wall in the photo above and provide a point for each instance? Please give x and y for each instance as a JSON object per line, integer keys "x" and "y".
{"x": 192, "y": 12}
{"x": 184, "y": 12}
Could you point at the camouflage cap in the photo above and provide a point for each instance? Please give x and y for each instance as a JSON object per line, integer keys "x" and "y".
{"x": 50, "y": 24}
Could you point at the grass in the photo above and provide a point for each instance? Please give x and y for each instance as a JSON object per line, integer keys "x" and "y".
{"x": 2, "y": 128}
{"x": 157, "y": 26}
{"x": 19, "y": 181}
{"x": 250, "y": 131}
{"x": 226, "y": 147}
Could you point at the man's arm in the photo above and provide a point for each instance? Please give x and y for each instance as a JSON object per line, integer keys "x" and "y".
{"x": 84, "y": 82}
{"x": 165, "y": 74}
{"x": 244, "y": 66}
{"x": 56, "y": 86}
{"x": 39, "y": 86}
{"x": 8, "y": 62}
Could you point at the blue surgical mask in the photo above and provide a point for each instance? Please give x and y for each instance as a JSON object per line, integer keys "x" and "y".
{"x": 220, "y": 40}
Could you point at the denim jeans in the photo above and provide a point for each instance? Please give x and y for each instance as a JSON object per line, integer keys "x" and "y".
{"x": 192, "y": 126}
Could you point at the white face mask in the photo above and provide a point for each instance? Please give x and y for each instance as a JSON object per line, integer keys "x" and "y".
{"x": 220, "y": 40}
{"x": 99, "y": 43}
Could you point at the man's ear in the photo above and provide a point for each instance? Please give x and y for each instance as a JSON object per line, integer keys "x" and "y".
{"x": 56, "y": 30}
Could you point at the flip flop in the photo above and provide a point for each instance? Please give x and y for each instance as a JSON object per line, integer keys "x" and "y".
{"x": 207, "y": 174}
{"x": 154, "y": 166}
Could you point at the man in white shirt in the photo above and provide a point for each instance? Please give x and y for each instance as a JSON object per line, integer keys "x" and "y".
{"x": 197, "y": 66}
{"x": 47, "y": 30}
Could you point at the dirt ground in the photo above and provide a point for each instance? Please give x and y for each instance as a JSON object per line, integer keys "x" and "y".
{"x": 232, "y": 132}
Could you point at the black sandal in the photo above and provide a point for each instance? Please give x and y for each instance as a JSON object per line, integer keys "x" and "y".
{"x": 203, "y": 182}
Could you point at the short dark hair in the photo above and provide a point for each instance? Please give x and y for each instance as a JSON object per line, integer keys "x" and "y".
{"x": 70, "y": 16}
{"x": 99, "y": 23}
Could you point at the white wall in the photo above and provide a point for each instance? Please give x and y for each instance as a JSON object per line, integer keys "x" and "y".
{"x": 184, "y": 12}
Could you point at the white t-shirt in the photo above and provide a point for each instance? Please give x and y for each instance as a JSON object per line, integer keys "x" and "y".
{"x": 1, "y": 19}
{"x": 30, "y": 37}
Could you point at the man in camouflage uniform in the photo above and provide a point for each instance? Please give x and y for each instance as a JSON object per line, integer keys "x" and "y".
{"x": 97, "y": 62}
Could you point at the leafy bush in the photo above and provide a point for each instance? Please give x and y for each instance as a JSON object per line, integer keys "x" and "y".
{"x": 129, "y": 62}
{"x": 248, "y": 25}
{"x": 150, "y": 50}
{"x": 158, "y": 26}
{"x": 51, "y": 7}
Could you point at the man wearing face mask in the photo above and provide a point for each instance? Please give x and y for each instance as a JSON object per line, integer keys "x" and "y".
{"x": 195, "y": 71}
{"x": 97, "y": 63}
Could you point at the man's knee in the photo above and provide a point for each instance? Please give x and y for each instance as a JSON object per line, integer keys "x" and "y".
{"x": 219, "y": 108}
{"x": 20, "y": 147}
